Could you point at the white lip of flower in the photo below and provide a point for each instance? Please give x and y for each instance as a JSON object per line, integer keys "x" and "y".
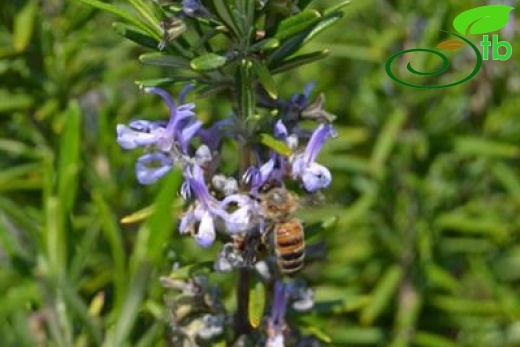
{"x": 314, "y": 176}
{"x": 242, "y": 218}
{"x": 129, "y": 138}
{"x": 206, "y": 232}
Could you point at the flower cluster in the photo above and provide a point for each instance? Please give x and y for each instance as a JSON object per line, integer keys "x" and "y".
{"x": 232, "y": 206}
{"x": 173, "y": 143}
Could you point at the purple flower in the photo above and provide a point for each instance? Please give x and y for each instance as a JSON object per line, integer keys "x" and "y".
{"x": 175, "y": 130}
{"x": 276, "y": 321}
{"x": 129, "y": 138}
{"x": 150, "y": 167}
{"x": 298, "y": 103}
{"x": 194, "y": 8}
{"x": 212, "y": 137}
{"x": 274, "y": 168}
{"x": 257, "y": 176}
{"x": 242, "y": 219}
{"x": 206, "y": 208}
{"x": 313, "y": 175}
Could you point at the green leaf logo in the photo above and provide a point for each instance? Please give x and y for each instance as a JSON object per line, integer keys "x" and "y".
{"x": 481, "y": 20}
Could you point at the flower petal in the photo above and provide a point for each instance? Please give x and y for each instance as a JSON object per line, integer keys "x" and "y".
{"x": 187, "y": 133}
{"x": 206, "y": 233}
{"x": 280, "y": 130}
{"x": 318, "y": 138}
{"x": 238, "y": 221}
{"x": 316, "y": 177}
{"x": 130, "y": 139}
{"x": 150, "y": 167}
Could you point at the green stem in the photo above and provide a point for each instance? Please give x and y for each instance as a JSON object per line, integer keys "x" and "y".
{"x": 246, "y": 104}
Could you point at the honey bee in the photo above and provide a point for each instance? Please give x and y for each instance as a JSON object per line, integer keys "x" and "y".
{"x": 288, "y": 234}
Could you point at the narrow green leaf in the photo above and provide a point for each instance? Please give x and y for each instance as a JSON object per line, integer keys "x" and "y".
{"x": 382, "y": 294}
{"x": 145, "y": 9}
{"x": 298, "y": 61}
{"x": 426, "y": 339}
{"x": 137, "y": 216}
{"x": 159, "y": 82}
{"x": 386, "y": 141}
{"x": 296, "y": 24}
{"x": 323, "y": 24}
{"x": 275, "y": 144}
{"x": 288, "y": 47}
{"x": 210, "y": 61}
{"x": 103, "y": 6}
{"x": 265, "y": 79}
{"x": 162, "y": 59}
{"x": 133, "y": 301}
{"x": 476, "y": 146}
{"x": 155, "y": 233}
{"x": 256, "y": 302}
{"x": 14, "y": 102}
{"x": 55, "y": 237}
{"x": 508, "y": 178}
{"x": 357, "y": 336}
{"x": 408, "y": 310}
{"x": 308, "y": 325}
{"x": 302, "y": 4}
{"x": 162, "y": 221}
{"x": 316, "y": 332}
{"x": 440, "y": 277}
{"x": 25, "y": 172}
{"x": 17, "y": 148}
{"x": 265, "y": 45}
{"x": 483, "y": 19}
{"x": 465, "y": 305}
{"x": 245, "y": 87}
{"x": 336, "y": 8}
{"x": 76, "y": 304}
{"x": 117, "y": 249}
{"x": 223, "y": 11}
{"x": 18, "y": 296}
{"x": 24, "y": 25}
{"x": 69, "y": 164}
{"x": 490, "y": 226}
{"x": 135, "y": 34}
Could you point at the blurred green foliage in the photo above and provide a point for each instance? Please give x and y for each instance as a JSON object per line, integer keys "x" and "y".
{"x": 426, "y": 192}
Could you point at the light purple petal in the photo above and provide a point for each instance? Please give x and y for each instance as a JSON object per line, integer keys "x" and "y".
{"x": 187, "y": 134}
{"x": 239, "y": 199}
{"x": 199, "y": 188}
{"x": 316, "y": 177}
{"x": 279, "y": 303}
{"x": 238, "y": 221}
{"x": 318, "y": 138}
{"x": 212, "y": 136}
{"x": 190, "y": 7}
{"x": 184, "y": 91}
{"x": 150, "y": 167}
{"x": 307, "y": 90}
{"x": 298, "y": 165}
{"x": 206, "y": 233}
{"x": 185, "y": 190}
{"x": 130, "y": 139}
{"x": 186, "y": 221}
{"x": 280, "y": 130}
{"x": 166, "y": 97}
{"x": 166, "y": 136}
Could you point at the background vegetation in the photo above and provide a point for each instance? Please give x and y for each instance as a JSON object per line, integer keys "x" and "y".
{"x": 423, "y": 214}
